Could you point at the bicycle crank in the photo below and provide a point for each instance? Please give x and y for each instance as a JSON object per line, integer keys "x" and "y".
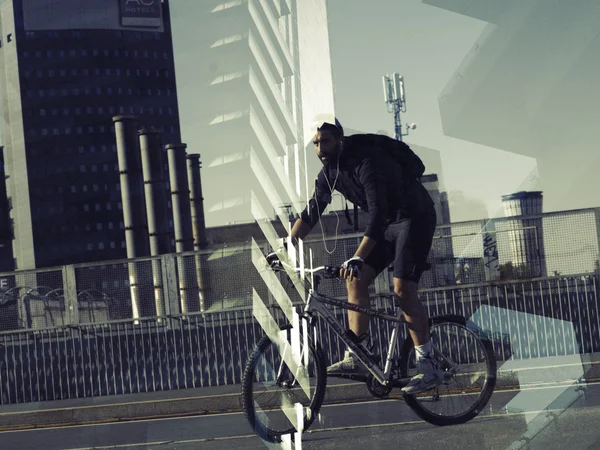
{"x": 376, "y": 388}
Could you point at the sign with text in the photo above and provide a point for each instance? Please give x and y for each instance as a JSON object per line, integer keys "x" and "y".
{"x": 44, "y": 15}
{"x": 141, "y": 13}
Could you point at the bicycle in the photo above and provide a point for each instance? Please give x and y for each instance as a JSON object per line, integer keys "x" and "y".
{"x": 303, "y": 382}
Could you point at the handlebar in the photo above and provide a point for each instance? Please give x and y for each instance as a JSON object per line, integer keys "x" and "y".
{"x": 327, "y": 271}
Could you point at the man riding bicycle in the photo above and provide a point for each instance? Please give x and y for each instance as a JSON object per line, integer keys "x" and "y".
{"x": 400, "y": 228}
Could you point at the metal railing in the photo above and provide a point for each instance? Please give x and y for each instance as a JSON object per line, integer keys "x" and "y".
{"x": 222, "y": 278}
{"x": 524, "y": 319}
{"x": 93, "y": 329}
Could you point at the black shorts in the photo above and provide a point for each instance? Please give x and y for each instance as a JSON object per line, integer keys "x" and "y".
{"x": 406, "y": 244}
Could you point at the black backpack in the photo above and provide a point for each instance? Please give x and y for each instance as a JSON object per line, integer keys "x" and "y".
{"x": 398, "y": 150}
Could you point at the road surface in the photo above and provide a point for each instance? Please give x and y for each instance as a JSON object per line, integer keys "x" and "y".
{"x": 570, "y": 419}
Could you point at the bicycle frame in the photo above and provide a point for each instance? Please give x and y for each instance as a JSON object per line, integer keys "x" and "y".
{"x": 316, "y": 304}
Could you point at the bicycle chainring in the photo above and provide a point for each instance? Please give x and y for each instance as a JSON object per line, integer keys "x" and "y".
{"x": 376, "y": 388}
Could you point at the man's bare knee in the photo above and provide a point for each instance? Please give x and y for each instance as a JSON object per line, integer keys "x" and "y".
{"x": 407, "y": 292}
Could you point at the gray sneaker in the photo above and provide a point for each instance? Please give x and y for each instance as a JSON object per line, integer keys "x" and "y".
{"x": 430, "y": 376}
{"x": 350, "y": 364}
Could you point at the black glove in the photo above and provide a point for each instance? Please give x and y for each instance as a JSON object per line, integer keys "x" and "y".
{"x": 274, "y": 258}
{"x": 352, "y": 267}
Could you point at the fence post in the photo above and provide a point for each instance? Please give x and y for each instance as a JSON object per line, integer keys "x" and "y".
{"x": 490, "y": 251}
{"x": 597, "y": 215}
{"x": 70, "y": 295}
{"x": 170, "y": 290}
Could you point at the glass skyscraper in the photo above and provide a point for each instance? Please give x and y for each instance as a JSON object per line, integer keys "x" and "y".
{"x": 67, "y": 69}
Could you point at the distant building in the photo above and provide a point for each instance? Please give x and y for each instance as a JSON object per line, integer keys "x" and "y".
{"x": 66, "y": 69}
{"x": 6, "y": 232}
{"x": 253, "y": 73}
{"x": 525, "y": 236}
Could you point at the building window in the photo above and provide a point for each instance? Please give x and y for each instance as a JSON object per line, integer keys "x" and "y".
{"x": 90, "y": 246}
{"x": 89, "y": 110}
{"x": 112, "y": 245}
{"x": 85, "y": 188}
{"x": 63, "y": 73}
{"x": 79, "y": 130}
{"x": 90, "y": 129}
{"x": 97, "y": 206}
{"x": 86, "y": 207}
{"x": 67, "y": 130}
{"x": 43, "y": 112}
{"x": 82, "y": 169}
{"x": 109, "y": 208}
{"x": 101, "y": 246}
{"x": 88, "y": 227}
{"x": 73, "y": 189}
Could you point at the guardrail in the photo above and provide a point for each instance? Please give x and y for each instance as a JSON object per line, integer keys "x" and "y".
{"x": 525, "y": 319}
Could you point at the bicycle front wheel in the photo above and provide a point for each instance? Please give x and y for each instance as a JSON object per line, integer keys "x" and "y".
{"x": 275, "y": 389}
{"x": 469, "y": 363}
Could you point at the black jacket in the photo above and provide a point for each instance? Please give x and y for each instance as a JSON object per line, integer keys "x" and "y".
{"x": 374, "y": 181}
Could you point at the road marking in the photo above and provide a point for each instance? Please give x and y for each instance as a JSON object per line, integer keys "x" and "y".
{"x": 309, "y": 432}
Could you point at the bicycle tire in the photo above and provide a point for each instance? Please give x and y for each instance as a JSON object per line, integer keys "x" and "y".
{"x": 489, "y": 382}
{"x": 263, "y": 430}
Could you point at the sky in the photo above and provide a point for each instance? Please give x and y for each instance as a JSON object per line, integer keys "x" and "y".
{"x": 426, "y": 45}
{"x": 367, "y": 40}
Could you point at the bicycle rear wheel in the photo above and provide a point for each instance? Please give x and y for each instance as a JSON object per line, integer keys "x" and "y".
{"x": 470, "y": 374}
{"x": 271, "y": 390}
